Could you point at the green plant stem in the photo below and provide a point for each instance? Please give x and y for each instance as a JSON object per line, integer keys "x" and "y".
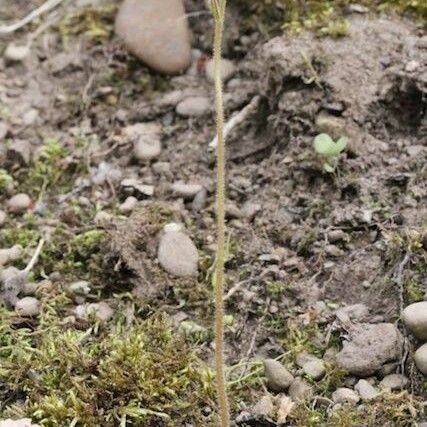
{"x": 220, "y": 255}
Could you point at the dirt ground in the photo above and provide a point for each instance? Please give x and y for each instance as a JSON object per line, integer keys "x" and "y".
{"x": 302, "y": 242}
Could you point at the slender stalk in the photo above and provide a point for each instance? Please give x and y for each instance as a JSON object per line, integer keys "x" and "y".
{"x": 218, "y": 10}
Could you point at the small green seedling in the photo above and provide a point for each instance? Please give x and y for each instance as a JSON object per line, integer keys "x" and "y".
{"x": 328, "y": 148}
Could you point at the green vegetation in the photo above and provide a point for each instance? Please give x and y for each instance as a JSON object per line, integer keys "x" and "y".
{"x": 325, "y": 146}
{"x": 5, "y": 180}
{"x": 142, "y": 374}
{"x": 325, "y": 17}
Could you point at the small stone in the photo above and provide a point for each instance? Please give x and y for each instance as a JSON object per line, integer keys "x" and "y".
{"x": 420, "y": 359}
{"x": 278, "y": 377}
{"x": 394, "y": 382}
{"x": 366, "y": 390}
{"x": 16, "y": 53}
{"x": 177, "y": 254}
{"x": 10, "y": 254}
{"x": 19, "y": 202}
{"x": 101, "y": 310}
{"x": 30, "y": 116}
{"x": 22, "y": 422}
{"x": 199, "y": 201}
{"x": 264, "y": 407}
{"x": 412, "y": 66}
{"x": 137, "y": 188}
{"x": 19, "y": 152}
{"x": 186, "y": 191}
{"x": 82, "y": 287}
{"x": 194, "y": 106}
{"x": 228, "y": 69}
{"x": 156, "y": 32}
{"x": 105, "y": 172}
{"x": 28, "y": 307}
{"x": 128, "y": 205}
{"x": 300, "y": 390}
{"x": 146, "y": 139}
{"x": 334, "y": 251}
{"x": 355, "y": 312}
{"x": 370, "y": 346}
{"x": 3, "y": 217}
{"x": 415, "y": 319}
{"x": 102, "y": 218}
{"x": 336, "y": 236}
{"x": 345, "y": 395}
{"x": 250, "y": 210}
{"x": 315, "y": 369}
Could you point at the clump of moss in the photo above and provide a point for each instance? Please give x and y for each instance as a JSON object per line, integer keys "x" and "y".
{"x": 323, "y": 16}
{"x": 94, "y": 22}
{"x": 139, "y": 375}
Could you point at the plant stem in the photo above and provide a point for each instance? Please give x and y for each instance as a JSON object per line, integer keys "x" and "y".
{"x": 218, "y": 11}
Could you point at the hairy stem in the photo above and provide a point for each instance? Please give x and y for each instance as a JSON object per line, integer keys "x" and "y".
{"x": 218, "y": 9}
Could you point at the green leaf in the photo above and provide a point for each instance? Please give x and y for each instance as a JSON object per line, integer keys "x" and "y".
{"x": 325, "y": 145}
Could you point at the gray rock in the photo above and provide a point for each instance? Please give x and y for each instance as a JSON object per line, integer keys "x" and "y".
{"x": 4, "y": 129}
{"x": 420, "y": 358}
{"x": 19, "y": 202}
{"x": 3, "y": 217}
{"x": 187, "y": 191}
{"x": 20, "y": 152}
{"x": 394, "y": 382}
{"x": 264, "y": 407}
{"x": 28, "y": 307}
{"x": 16, "y": 53}
{"x": 194, "y": 106}
{"x": 228, "y": 69}
{"x": 315, "y": 369}
{"x": 177, "y": 254}
{"x": 415, "y": 319}
{"x": 303, "y": 358}
{"x": 300, "y": 390}
{"x": 100, "y": 310}
{"x": 334, "y": 251}
{"x": 337, "y": 235}
{"x": 199, "y": 201}
{"x": 249, "y": 210}
{"x": 355, "y": 312}
{"x": 345, "y": 395}
{"x": 370, "y": 346}
{"x": 156, "y": 32}
{"x": 129, "y": 204}
{"x": 10, "y": 254}
{"x": 146, "y": 139}
{"x": 278, "y": 377}
{"x": 422, "y": 424}
{"x": 366, "y": 390}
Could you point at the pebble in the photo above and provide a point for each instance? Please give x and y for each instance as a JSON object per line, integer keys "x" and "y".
{"x": 228, "y": 69}
{"x": 369, "y": 347}
{"x": 345, "y": 395}
{"x": 19, "y": 202}
{"x": 146, "y": 139}
{"x": 4, "y": 130}
{"x": 278, "y": 377}
{"x": 264, "y": 407}
{"x": 128, "y": 205}
{"x": 81, "y": 287}
{"x": 394, "y": 382}
{"x": 300, "y": 390}
{"x": 177, "y": 254}
{"x": 16, "y": 53}
{"x": 105, "y": 172}
{"x": 157, "y": 33}
{"x": 354, "y": 312}
{"x": 194, "y": 106}
{"x": 28, "y": 307}
{"x": 415, "y": 319}
{"x": 186, "y": 191}
{"x": 250, "y": 210}
{"x": 315, "y": 369}
{"x": 101, "y": 310}
{"x": 337, "y": 235}
{"x": 3, "y": 217}
{"x": 366, "y": 390}
{"x": 199, "y": 201}
{"x": 334, "y": 251}
{"x": 10, "y": 254}
{"x": 19, "y": 151}
{"x": 420, "y": 359}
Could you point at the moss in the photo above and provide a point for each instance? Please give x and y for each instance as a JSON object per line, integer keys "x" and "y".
{"x": 94, "y": 22}
{"x": 5, "y": 180}
{"x": 142, "y": 374}
{"x": 323, "y": 16}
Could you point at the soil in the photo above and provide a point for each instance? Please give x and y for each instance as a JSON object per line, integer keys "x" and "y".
{"x": 286, "y": 265}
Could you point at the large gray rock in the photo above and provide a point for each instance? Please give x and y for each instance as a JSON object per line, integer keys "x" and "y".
{"x": 415, "y": 319}
{"x": 420, "y": 358}
{"x": 369, "y": 347}
{"x": 156, "y": 32}
{"x": 177, "y": 254}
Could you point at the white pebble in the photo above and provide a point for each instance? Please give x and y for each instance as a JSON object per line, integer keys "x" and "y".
{"x": 187, "y": 191}
{"x": 228, "y": 69}
{"x": 128, "y": 205}
{"x": 28, "y": 307}
{"x": 19, "y": 202}
{"x": 194, "y": 106}
{"x": 16, "y": 53}
{"x": 420, "y": 358}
